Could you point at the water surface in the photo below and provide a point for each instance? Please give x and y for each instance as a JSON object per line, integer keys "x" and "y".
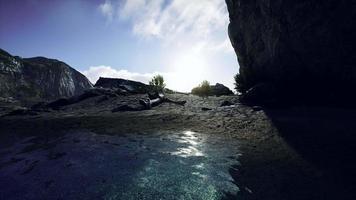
{"x": 85, "y": 165}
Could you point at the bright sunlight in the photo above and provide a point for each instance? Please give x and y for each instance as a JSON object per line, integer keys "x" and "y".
{"x": 187, "y": 70}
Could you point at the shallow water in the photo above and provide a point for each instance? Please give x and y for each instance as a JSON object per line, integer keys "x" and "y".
{"x": 85, "y": 165}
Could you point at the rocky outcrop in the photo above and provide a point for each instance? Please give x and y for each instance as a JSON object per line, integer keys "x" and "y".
{"x": 127, "y": 85}
{"x": 205, "y": 89}
{"x": 220, "y": 90}
{"x": 39, "y": 78}
{"x": 306, "y": 49}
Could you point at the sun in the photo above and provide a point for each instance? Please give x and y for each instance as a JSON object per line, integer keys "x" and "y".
{"x": 188, "y": 70}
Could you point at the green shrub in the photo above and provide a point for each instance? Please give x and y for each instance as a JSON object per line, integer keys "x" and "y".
{"x": 240, "y": 84}
{"x": 203, "y": 89}
{"x": 158, "y": 83}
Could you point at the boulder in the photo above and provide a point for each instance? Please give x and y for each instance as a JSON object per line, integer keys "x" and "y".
{"x": 133, "y": 87}
{"x": 262, "y": 94}
{"x": 220, "y": 90}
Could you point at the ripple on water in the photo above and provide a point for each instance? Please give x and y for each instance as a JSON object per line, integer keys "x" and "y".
{"x": 169, "y": 165}
{"x": 186, "y": 167}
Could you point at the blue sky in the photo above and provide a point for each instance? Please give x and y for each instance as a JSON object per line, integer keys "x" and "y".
{"x": 184, "y": 40}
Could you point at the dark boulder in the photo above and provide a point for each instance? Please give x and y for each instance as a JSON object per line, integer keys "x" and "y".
{"x": 305, "y": 48}
{"x": 133, "y": 87}
{"x": 220, "y": 90}
{"x": 263, "y": 93}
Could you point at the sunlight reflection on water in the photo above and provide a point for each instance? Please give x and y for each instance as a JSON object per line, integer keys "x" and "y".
{"x": 188, "y": 167}
{"x": 193, "y": 148}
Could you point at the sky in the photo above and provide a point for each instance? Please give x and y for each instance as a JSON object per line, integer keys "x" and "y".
{"x": 186, "y": 41}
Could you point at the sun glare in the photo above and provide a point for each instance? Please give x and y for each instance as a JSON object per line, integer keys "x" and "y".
{"x": 189, "y": 70}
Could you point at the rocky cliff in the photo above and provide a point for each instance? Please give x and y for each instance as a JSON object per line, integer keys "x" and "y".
{"x": 305, "y": 49}
{"x": 38, "y": 78}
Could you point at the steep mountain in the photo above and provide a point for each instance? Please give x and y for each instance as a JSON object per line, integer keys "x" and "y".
{"x": 39, "y": 78}
{"x": 302, "y": 49}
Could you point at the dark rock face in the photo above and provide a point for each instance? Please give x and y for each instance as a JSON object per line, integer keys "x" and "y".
{"x": 127, "y": 85}
{"x": 39, "y": 78}
{"x": 261, "y": 93}
{"x": 305, "y": 48}
{"x": 220, "y": 90}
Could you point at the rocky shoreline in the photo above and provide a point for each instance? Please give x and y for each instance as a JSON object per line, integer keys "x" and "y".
{"x": 278, "y": 158}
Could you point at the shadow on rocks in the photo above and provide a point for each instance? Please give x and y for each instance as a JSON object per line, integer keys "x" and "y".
{"x": 324, "y": 137}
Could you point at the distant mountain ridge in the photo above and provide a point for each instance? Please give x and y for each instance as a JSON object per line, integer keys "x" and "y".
{"x": 39, "y": 78}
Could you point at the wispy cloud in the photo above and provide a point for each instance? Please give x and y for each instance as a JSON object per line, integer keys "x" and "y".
{"x": 167, "y": 19}
{"x": 176, "y": 22}
{"x": 107, "y": 9}
{"x": 94, "y": 72}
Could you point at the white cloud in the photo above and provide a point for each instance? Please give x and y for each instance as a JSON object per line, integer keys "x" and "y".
{"x": 107, "y": 10}
{"x": 95, "y": 72}
{"x": 184, "y": 23}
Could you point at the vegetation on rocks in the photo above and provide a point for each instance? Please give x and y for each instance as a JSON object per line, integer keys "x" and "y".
{"x": 158, "y": 83}
{"x": 203, "y": 90}
{"x": 239, "y": 84}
